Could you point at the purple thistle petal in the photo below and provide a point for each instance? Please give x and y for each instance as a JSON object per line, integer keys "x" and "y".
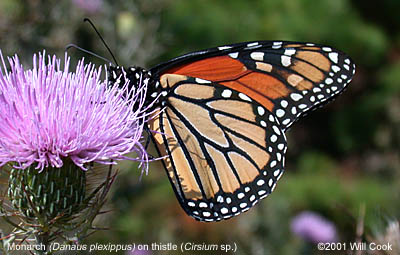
{"x": 48, "y": 113}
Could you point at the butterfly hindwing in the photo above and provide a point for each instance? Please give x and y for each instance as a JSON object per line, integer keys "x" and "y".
{"x": 226, "y": 151}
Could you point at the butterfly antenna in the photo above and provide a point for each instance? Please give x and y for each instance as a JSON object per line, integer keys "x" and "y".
{"x": 71, "y": 45}
{"x": 101, "y": 38}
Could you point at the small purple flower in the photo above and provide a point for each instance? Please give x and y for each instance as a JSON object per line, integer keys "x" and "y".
{"x": 91, "y": 6}
{"x": 48, "y": 114}
{"x": 313, "y": 227}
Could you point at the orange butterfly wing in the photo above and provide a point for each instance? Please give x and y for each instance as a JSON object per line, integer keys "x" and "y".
{"x": 224, "y": 115}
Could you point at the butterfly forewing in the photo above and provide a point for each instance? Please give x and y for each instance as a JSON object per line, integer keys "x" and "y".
{"x": 287, "y": 78}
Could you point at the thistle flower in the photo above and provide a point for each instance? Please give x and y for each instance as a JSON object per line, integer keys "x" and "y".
{"x": 313, "y": 227}
{"x": 48, "y": 114}
{"x": 54, "y": 125}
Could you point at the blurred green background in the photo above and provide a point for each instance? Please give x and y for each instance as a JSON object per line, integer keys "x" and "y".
{"x": 343, "y": 160}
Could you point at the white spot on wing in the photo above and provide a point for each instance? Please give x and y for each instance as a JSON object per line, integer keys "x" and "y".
{"x": 206, "y": 214}
{"x": 335, "y": 68}
{"x": 289, "y": 52}
{"x": 296, "y": 97}
{"x": 284, "y": 103}
{"x": 261, "y": 192}
{"x": 226, "y": 93}
{"x": 276, "y": 45}
{"x": 271, "y": 118}
{"x": 333, "y": 56}
{"x": 280, "y": 113}
{"x": 244, "y": 97}
{"x": 203, "y": 205}
{"x": 252, "y": 44}
{"x": 260, "y": 110}
{"x": 234, "y": 55}
{"x": 224, "y": 47}
{"x": 286, "y": 60}
{"x": 258, "y": 56}
{"x": 198, "y": 80}
{"x": 328, "y": 81}
{"x": 285, "y": 122}
{"x": 276, "y": 130}
{"x": 270, "y": 182}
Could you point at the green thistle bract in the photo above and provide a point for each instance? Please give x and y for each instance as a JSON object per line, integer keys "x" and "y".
{"x": 55, "y": 194}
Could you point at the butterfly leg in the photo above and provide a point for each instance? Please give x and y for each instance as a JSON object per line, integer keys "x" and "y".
{"x": 148, "y": 139}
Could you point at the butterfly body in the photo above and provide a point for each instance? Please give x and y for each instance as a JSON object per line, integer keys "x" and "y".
{"x": 222, "y": 113}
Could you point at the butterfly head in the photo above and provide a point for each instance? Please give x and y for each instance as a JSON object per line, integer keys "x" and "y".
{"x": 135, "y": 76}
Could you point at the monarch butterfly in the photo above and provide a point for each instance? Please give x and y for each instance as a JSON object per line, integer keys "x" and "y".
{"x": 222, "y": 113}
